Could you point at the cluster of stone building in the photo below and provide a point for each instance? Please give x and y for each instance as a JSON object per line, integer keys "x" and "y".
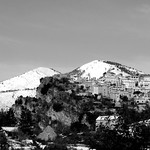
{"x": 114, "y": 86}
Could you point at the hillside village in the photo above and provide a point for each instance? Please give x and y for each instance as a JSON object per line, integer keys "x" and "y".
{"x": 135, "y": 88}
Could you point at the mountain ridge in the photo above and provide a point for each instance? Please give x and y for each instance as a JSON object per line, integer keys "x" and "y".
{"x": 96, "y": 69}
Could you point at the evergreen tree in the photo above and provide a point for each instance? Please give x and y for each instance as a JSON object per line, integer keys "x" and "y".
{"x": 3, "y": 141}
{"x": 10, "y": 121}
{"x": 26, "y": 122}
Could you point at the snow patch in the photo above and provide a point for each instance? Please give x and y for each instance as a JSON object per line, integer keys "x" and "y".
{"x": 97, "y": 68}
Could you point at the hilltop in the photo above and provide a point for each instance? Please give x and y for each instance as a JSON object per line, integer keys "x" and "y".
{"x": 97, "y": 68}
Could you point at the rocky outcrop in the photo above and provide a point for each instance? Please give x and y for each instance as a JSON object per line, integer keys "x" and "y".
{"x": 48, "y": 134}
{"x": 53, "y": 110}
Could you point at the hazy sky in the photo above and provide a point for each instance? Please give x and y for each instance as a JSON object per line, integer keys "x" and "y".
{"x": 65, "y": 34}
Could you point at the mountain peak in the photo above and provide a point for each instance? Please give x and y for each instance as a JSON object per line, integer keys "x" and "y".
{"x": 30, "y": 79}
{"x": 96, "y": 69}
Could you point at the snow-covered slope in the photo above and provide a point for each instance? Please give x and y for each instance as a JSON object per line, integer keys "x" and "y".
{"x": 7, "y": 99}
{"x": 28, "y": 80}
{"x": 24, "y": 85}
{"x": 97, "y": 68}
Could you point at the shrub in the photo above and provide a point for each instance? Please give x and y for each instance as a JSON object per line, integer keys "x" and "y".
{"x": 58, "y": 107}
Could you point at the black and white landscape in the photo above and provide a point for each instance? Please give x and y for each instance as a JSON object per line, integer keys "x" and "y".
{"x": 74, "y": 74}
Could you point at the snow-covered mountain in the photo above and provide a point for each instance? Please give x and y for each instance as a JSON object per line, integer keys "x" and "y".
{"x": 24, "y": 85}
{"x": 27, "y": 80}
{"x": 97, "y": 68}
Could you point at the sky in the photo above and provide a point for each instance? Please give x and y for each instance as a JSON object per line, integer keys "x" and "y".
{"x": 65, "y": 34}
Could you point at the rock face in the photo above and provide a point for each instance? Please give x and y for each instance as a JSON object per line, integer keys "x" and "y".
{"x": 54, "y": 94}
{"x": 59, "y": 116}
{"x": 24, "y": 85}
{"x": 47, "y": 134}
{"x": 54, "y": 107}
{"x": 97, "y": 68}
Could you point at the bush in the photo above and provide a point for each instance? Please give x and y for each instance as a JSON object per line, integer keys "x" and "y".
{"x": 11, "y": 120}
{"x": 58, "y": 107}
{"x": 3, "y": 141}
